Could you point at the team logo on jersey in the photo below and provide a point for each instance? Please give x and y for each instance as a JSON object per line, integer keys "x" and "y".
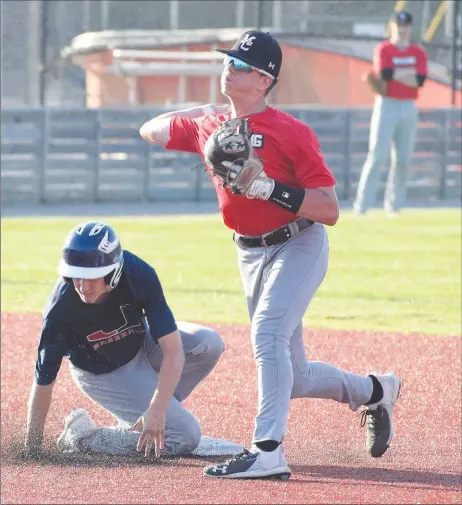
{"x": 404, "y": 60}
{"x": 102, "y": 337}
{"x": 257, "y": 140}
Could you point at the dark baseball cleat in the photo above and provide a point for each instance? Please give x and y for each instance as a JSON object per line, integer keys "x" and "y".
{"x": 378, "y": 416}
{"x": 252, "y": 465}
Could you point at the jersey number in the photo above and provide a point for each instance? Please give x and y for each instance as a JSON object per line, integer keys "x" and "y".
{"x": 256, "y": 140}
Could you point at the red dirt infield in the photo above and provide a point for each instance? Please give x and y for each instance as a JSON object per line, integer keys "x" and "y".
{"x": 324, "y": 446}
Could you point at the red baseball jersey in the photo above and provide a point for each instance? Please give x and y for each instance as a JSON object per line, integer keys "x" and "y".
{"x": 290, "y": 153}
{"x": 388, "y": 55}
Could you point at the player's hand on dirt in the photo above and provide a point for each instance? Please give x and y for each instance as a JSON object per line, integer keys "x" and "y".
{"x": 31, "y": 451}
{"x": 152, "y": 424}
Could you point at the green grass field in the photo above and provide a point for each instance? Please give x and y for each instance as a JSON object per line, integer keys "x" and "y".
{"x": 401, "y": 275}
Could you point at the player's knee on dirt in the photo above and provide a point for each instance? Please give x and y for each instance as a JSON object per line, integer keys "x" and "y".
{"x": 189, "y": 434}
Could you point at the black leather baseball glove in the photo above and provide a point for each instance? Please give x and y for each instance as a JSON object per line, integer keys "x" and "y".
{"x": 229, "y": 154}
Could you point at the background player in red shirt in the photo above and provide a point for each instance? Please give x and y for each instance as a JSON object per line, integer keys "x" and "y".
{"x": 282, "y": 249}
{"x": 403, "y": 66}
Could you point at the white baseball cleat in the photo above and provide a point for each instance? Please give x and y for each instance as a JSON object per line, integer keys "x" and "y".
{"x": 378, "y": 416}
{"x": 209, "y": 446}
{"x": 77, "y": 425}
{"x": 252, "y": 465}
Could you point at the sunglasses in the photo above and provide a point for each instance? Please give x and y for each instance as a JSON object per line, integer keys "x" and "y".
{"x": 242, "y": 66}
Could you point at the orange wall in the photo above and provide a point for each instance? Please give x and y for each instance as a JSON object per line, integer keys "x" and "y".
{"x": 334, "y": 79}
{"x": 154, "y": 89}
{"x": 307, "y": 77}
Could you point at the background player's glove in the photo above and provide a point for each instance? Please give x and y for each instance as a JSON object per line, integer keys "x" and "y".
{"x": 377, "y": 85}
{"x": 229, "y": 153}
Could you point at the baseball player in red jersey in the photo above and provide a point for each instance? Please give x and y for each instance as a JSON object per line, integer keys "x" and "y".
{"x": 282, "y": 248}
{"x": 403, "y": 66}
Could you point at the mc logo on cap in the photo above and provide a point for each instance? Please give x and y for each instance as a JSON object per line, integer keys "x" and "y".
{"x": 247, "y": 42}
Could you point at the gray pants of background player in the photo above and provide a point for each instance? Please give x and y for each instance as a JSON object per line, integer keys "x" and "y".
{"x": 393, "y": 124}
{"x": 279, "y": 283}
{"x": 127, "y": 392}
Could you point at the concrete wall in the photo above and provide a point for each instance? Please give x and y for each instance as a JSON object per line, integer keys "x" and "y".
{"x": 97, "y": 155}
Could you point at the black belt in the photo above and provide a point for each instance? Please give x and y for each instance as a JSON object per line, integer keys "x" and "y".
{"x": 275, "y": 237}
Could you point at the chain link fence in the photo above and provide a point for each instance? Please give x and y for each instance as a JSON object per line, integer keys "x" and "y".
{"x": 34, "y": 32}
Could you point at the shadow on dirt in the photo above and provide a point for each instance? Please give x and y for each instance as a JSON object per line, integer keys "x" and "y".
{"x": 399, "y": 478}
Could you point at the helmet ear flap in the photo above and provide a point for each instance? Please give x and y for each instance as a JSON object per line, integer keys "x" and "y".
{"x": 113, "y": 278}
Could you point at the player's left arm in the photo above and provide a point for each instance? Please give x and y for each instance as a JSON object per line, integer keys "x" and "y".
{"x": 320, "y": 205}
{"x": 314, "y": 197}
{"x": 406, "y": 76}
{"x": 316, "y": 204}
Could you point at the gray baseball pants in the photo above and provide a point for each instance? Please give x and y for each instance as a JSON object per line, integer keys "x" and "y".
{"x": 279, "y": 283}
{"x": 127, "y": 392}
{"x": 393, "y": 123}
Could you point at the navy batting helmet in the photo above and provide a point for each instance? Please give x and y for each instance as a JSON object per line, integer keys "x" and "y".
{"x": 92, "y": 250}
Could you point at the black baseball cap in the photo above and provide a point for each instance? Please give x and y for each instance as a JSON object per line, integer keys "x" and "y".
{"x": 259, "y": 49}
{"x": 403, "y": 18}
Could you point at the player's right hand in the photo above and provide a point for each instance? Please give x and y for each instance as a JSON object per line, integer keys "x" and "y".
{"x": 152, "y": 423}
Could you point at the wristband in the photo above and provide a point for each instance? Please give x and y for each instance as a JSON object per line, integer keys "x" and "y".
{"x": 287, "y": 197}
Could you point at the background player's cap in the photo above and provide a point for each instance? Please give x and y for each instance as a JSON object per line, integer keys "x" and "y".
{"x": 259, "y": 49}
{"x": 403, "y": 18}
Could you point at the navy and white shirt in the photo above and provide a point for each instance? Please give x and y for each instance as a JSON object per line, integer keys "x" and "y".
{"x": 102, "y": 337}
